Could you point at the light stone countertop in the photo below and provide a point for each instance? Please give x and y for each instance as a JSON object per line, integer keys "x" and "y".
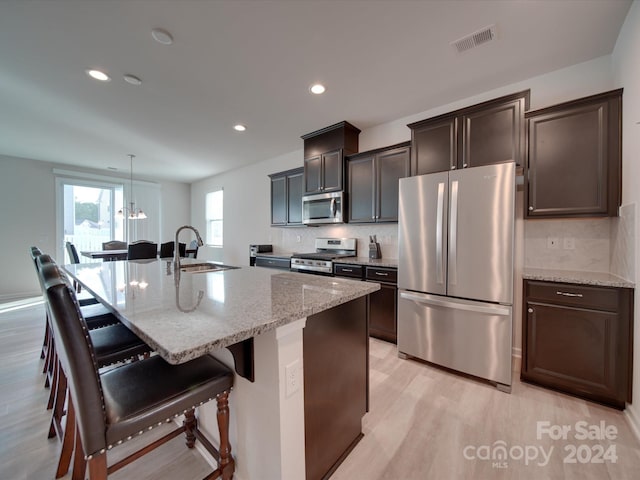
{"x": 208, "y": 311}
{"x": 582, "y": 278}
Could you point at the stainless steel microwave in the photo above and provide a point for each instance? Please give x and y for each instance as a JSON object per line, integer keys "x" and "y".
{"x": 319, "y": 208}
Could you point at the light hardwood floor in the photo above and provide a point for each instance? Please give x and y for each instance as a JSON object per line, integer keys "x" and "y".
{"x": 421, "y": 420}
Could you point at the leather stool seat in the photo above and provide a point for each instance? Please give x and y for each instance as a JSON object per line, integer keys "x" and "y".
{"x": 150, "y": 391}
{"x": 97, "y": 315}
{"x": 116, "y": 343}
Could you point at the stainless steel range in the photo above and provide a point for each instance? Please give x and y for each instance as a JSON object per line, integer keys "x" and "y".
{"x": 327, "y": 250}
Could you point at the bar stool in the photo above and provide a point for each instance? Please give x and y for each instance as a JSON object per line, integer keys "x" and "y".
{"x": 113, "y": 344}
{"x": 111, "y": 408}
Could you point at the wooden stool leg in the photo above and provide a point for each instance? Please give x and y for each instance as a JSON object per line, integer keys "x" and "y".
{"x": 98, "y": 467}
{"x": 190, "y": 424}
{"x": 45, "y": 342}
{"x": 55, "y": 367}
{"x": 55, "y": 428}
{"x": 226, "y": 462}
{"x": 67, "y": 442}
{"x": 79, "y": 463}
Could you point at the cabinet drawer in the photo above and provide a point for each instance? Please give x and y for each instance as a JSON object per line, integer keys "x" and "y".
{"x": 379, "y": 274}
{"x": 345, "y": 270}
{"x": 599, "y": 298}
{"x": 273, "y": 262}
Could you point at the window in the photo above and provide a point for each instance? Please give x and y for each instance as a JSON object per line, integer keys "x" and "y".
{"x": 87, "y": 214}
{"x": 214, "y": 211}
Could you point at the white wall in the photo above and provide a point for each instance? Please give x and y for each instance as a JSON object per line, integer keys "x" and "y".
{"x": 28, "y": 217}
{"x": 626, "y": 68}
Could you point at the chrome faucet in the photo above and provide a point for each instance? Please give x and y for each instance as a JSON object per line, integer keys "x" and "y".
{"x": 176, "y": 247}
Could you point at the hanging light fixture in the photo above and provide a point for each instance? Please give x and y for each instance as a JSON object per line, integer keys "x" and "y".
{"x": 130, "y": 212}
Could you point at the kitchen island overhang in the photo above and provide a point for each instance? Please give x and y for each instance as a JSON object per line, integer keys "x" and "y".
{"x": 206, "y": 312}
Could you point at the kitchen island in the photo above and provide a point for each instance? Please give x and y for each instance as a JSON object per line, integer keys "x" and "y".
{"x": 204, "y": 312}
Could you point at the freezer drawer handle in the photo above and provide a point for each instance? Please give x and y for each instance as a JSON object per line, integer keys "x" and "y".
{"x": 439, "y": 302}
{"x": 567, "y": 294}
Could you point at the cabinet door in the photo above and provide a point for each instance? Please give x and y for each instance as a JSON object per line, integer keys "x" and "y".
{"x": 434, "y": 147}
{"x": 332, "y": 168}
{"x": 278, "y": 201}
{"x": 382, "y": 313}
{"x": 574, "y": 350}
{"x": 575, "y": 158}
{"x": 361, "y": 175}
{"x": 493, "y": 135}
{"x": 313, "y": 174}
{"x": 391, "y": 167}
{"x": 294, "y": 198}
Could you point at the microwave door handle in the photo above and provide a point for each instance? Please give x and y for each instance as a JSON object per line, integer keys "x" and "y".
{"x": 333, "y": 207}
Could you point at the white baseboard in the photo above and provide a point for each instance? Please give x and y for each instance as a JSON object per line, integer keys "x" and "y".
{"x": 633, "y": 419}
{"x": 15, "y": 297}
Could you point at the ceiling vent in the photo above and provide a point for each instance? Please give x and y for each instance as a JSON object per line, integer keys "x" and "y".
{"x": 484, "y": 35}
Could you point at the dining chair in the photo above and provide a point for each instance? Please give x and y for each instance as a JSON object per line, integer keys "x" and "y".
{"x": 114, "y": 245}
{"x": 167, "y": 249}
{"x": 142, "y": 249}
{"x": 105, "y": 410}
{"x": 192, "y": 251}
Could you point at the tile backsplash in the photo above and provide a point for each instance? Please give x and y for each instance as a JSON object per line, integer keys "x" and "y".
{"x": 568, "y": 244}
{"x": 591, "y": 244}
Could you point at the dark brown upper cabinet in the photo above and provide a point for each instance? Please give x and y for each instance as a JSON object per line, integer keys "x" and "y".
{"x": 286, "y": 197}
{"x": 575, "y": 158}
{"x": 373, "y": 183}
{"x": 483, "y": 134}
{"x": 324, "y": 152}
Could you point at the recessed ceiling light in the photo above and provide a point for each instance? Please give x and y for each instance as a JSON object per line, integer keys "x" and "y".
{"x": 98, "y": 75}
{"x": 317, "y": 89}
{"x": 239, "y": 127}
{"x": 132, "y": 79}
{"x": 162, "y": 36}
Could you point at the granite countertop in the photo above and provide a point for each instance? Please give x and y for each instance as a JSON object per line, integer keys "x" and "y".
{"x": 583, "y": 278}
{"x": 369, "y": 262}
{"x": 208, "y": 311}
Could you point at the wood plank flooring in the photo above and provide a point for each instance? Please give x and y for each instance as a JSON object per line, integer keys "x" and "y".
{"x": 420, "y": 422}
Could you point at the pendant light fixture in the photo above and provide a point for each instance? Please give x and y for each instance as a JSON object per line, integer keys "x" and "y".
{"x": 131, "y": 213}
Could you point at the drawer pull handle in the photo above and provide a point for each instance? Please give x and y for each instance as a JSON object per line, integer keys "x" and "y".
{"x": 382, "y": 274}
{"x": 347, "y": 270}
{"x": 567, "y": 294}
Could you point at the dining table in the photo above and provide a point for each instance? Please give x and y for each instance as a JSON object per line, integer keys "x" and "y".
{"x": 106, "y": 255}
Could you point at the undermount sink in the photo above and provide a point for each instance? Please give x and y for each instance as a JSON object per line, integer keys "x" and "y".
{"x": 204, "y": 267}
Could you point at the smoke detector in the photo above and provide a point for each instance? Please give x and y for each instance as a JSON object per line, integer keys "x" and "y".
{"x": 484, "y": 35}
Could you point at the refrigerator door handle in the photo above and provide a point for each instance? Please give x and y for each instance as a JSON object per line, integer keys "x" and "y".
{"x": 453, "y": 234}
{"x": 440, "y": 234}
{"x": 458, "y": 305}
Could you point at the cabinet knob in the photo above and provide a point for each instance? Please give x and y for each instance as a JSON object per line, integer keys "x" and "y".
{"x": 530, "y": 310}
{"x": 530, "y": 208}
{"x": 453, "y": 167}
{"x": 465, "y": 165}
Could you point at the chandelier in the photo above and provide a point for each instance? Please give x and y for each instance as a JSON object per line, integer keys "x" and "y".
{"x": 130, "y": 212}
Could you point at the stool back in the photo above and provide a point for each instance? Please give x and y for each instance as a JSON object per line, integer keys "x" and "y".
{"x": 76, "y": 355}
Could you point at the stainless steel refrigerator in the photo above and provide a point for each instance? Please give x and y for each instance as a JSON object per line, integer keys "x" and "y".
{"x": 455, "y": 269}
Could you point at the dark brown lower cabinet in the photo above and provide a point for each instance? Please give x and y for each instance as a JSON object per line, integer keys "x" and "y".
{"x": 579, "y": 339}
{"x": 336, "y": 385}
{"x": 383, "y": 304}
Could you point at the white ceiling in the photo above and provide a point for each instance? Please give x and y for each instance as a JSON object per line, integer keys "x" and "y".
{"x": 252, "y": 62}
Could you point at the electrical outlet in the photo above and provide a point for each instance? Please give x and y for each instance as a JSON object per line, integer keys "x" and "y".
{"x": 569, "y": 243}
{"x": 298, "y": 238}
{"x": 292, "y": 378}
{"x": 553, "y": 243}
